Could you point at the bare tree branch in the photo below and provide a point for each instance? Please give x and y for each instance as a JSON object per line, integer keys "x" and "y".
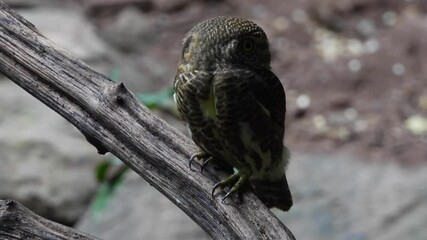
{"x": 113, "y": 120}
{"x": 17, "y": 222}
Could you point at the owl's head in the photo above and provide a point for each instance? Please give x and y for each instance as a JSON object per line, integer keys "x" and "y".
{"x": 225, "y": 41}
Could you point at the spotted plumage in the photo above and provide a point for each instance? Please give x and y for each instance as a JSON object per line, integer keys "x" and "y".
{"x": 235, "y": 106}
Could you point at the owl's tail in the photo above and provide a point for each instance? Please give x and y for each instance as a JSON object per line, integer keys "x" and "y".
{"x": 274, "y": 194}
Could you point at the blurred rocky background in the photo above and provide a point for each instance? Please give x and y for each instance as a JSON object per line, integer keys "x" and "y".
{"x": 355, "y": 72}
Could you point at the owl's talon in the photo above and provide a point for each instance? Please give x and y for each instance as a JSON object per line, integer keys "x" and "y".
{"x": 198, "y": 155}
{"x": 205, "y": 163}
{"x": 236, "y": 180}
{"x": 226, "y": 195}
{"x": 191, "y": 160}
{"x": 214, "y": 188}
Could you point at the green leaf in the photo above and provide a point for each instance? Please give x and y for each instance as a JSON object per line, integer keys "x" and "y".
{"x": 153, "y": 100}
{"x": 110, "y": 173}
{"x": 102, "y": 197}
{"x": 102, "y": 169}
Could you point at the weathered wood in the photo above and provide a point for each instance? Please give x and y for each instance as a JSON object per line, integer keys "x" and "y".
{"x": 113, "y": 120}
{"x": 17, "y": 222}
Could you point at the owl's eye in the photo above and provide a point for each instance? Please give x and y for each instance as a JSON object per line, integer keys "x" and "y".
{"x": 248, "y": 46}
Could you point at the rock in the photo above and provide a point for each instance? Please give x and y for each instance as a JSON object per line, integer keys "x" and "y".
{"x": 46, "y": 164}
{"x": 34, "y": 3}
{"x": 335, "y": 197}
{"x": 131, "y": 31}
{"x": 77, "y": 36}
{"x": 138, "y": 211}
{"x": 341, "y": 197}
{"x": 68, "y": 29}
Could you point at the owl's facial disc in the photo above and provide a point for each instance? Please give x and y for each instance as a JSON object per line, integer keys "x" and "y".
{"x": 225, "y": 41}
{"x": 249, "y": 50}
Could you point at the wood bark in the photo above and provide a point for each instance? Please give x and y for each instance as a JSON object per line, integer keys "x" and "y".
{"x": 17, "y": 222}
{"x": 113, "y": 120}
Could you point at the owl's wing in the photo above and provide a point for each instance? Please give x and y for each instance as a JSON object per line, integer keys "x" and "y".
{"x": 189, "y": 89}
{"x": 251, "y": 110}
{"x": 268, "y": 91}
{"x": 193, "y": 95}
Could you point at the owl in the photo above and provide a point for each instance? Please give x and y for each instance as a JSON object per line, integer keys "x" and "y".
{"x": 235, "y": 106}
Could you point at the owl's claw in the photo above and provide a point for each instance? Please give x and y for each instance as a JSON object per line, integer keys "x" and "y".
{"x": 236, "y": 180}
{"x": 199, "y": 155}
{"x": 192, "y": 159}
{"x": 205, "y": 163}
{"x": 214, "y": 188}
{"x": 226, "y": 195}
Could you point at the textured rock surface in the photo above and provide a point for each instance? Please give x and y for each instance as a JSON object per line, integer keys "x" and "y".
{"x": 341, "y": 197}
{"x": 138, "y": 211}
{"x": 45, "y": 163}
{"x": 69, "y": 29}
{"x": 336, "y": 197}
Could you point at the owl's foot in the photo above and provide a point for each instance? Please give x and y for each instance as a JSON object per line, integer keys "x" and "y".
{"x": 199, "y": 156}
{"x": 236, "y": 180}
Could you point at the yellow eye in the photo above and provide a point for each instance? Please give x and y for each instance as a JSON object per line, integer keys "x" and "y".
{"x": 248, "y": 45}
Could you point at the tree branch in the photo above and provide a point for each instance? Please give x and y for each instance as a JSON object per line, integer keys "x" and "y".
{"x": 17, "y": 222}
{"x": 113, "y": 120}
